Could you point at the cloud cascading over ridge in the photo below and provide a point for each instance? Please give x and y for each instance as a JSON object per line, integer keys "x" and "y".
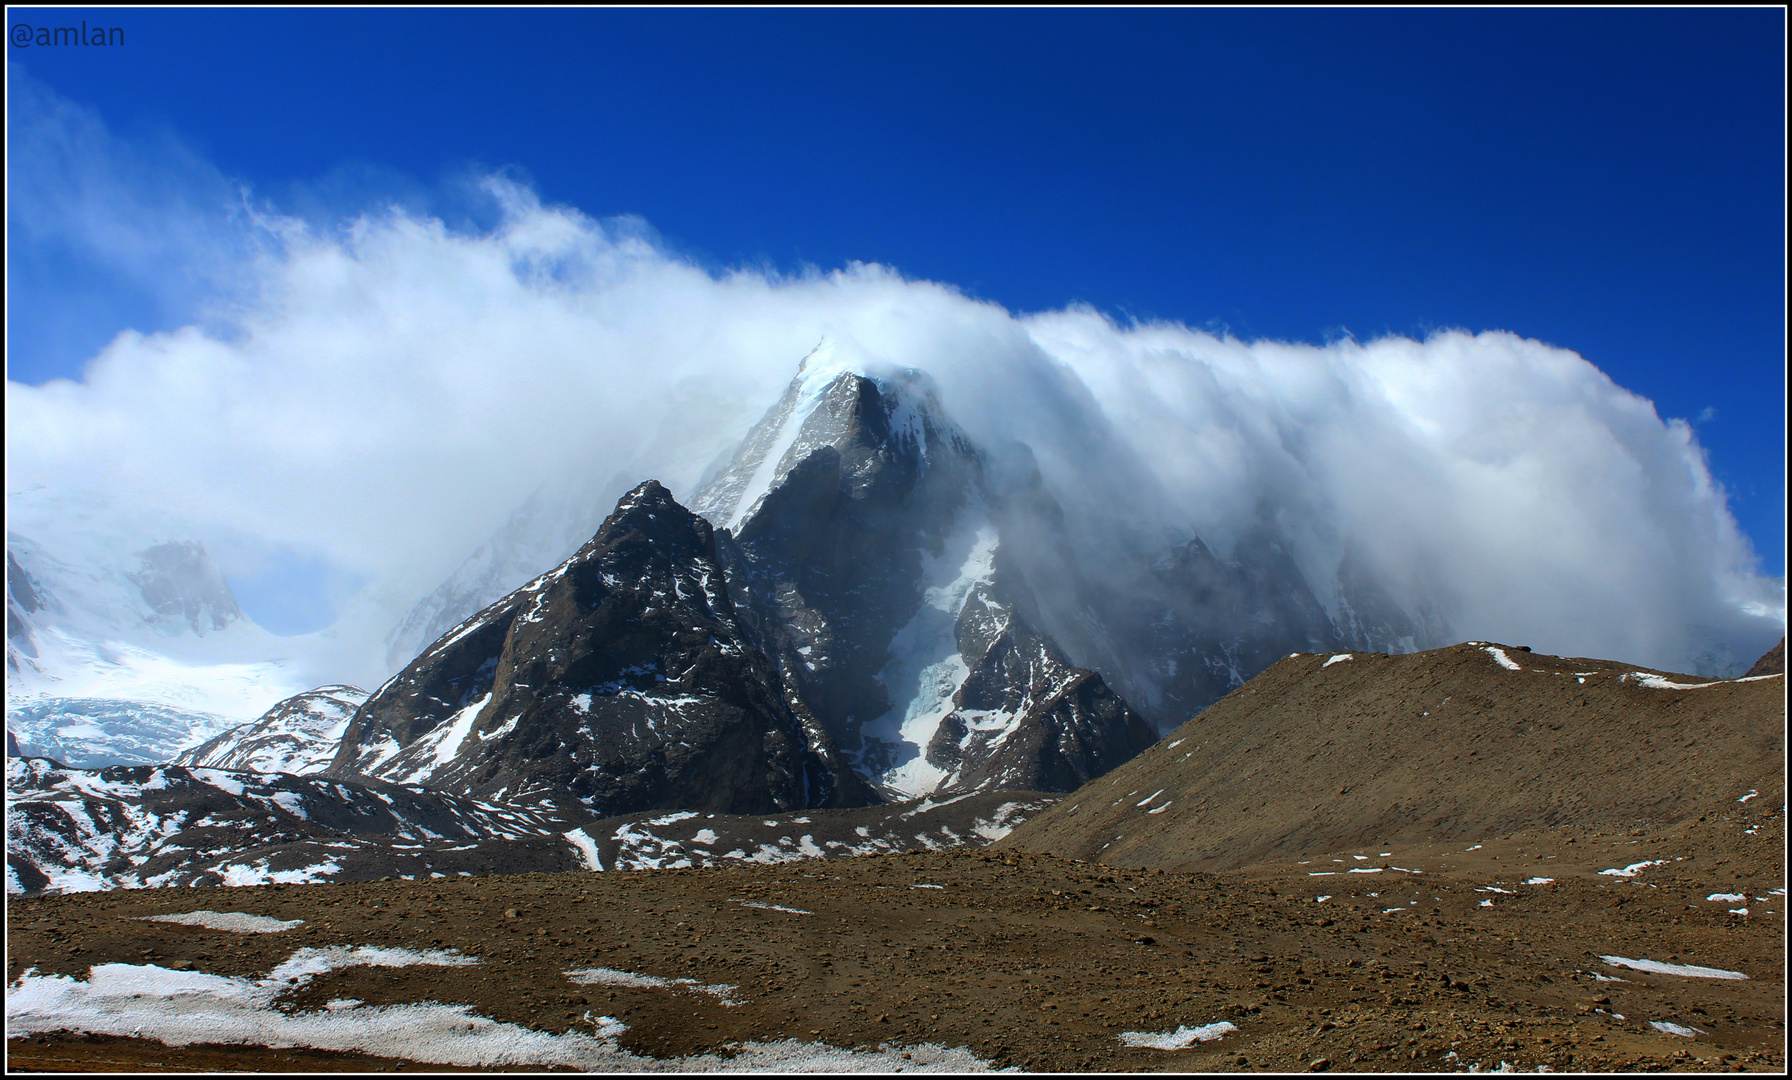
{"x": 383, "y": 392}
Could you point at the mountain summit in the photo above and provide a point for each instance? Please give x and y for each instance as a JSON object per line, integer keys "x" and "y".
{"x": 622, "y": 679}
{"x": 869, "y": 549}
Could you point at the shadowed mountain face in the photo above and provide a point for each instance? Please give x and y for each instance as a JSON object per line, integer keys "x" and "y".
{"x": 621, "y": 680}
{"x": 872, "y": 554}
{"x": 1322, "y": 753}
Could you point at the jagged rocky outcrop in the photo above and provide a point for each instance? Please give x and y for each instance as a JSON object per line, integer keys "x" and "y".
{"x": 299, "y": 735}
{"x": 621, "y": 680}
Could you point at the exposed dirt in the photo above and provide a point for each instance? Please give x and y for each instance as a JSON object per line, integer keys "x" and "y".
{"x": 1030, "y": 960}
{"x": 1321, "y": 752}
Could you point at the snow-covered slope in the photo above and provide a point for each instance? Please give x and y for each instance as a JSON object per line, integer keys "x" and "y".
{"x": 300, "y": 735}
{"x": 94, "y": 733}
{"x": 125, "y": 643}
{"x": 73, "y": 830}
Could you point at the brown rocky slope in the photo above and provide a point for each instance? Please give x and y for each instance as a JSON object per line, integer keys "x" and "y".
{"x": 1332, "y": 751}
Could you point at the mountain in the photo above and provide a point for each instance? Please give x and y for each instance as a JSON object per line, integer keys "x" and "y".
{"x": 868, "y": 541}
{"x": 620, "y": 680}
{"x": 77, "y": 830}
{"x": 1324, "y": 753}
{"x": 74, "y": 830}
{"x": 125, "y": 649}
{"x": 88, "y": 675}
{"x": 544, "y": 531}
{"x": 299, "y": 735}
{"x": 856, "y": 519}
{"x": 1772, "y": 662}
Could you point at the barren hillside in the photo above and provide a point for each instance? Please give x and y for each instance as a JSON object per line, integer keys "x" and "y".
{"x": 1344, "y": 750}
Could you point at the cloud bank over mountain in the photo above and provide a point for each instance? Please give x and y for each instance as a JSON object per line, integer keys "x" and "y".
{"x": 380, "y": 392}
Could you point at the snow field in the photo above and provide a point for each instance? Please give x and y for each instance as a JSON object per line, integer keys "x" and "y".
{"x": 234, "y": 921}
{"x": 180, "y": 1008}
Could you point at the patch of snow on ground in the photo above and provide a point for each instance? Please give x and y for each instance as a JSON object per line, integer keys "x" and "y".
{"x": 612, "y": 977}
{"x": 1727, "y": 897}
{"x": 1676, "y": 1029}
{"x": 1539, "y": 880}
{"x": 1335, "y": 659}
{"x": 1656, "y": 682}
{"x": 1500, "y": 655}
{"x": 1752, "y": 793}
{"x": 1633, "y": 868}
{"x": 1182, "y": 1038}
{"x": 1656, "y": 967}
{"x": 235, "y": 921}
{"x": 586, "y": 846}
{"x": 772, "y": 907}
{"x": 180, "y": 1007}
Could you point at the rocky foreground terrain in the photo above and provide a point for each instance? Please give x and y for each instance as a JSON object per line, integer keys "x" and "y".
{"x": 1592, "y": 880}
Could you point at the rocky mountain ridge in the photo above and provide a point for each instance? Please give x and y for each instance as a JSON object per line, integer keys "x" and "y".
{"x": 300, "y": 735}
{"x": 621, "y": 680}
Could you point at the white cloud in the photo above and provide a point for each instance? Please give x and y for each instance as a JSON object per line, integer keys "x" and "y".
{"x": 384, "y": 391}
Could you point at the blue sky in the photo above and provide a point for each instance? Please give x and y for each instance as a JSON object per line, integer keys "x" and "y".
{"x": 1608, "y": 181}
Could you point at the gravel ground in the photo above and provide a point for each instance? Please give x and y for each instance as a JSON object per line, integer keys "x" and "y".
{"x": 1024, "y": 960}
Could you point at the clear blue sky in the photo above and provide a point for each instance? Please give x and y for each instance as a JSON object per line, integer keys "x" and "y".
{"x": 1610, "y": 181}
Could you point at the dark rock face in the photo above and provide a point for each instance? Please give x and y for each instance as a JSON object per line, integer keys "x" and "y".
{"x": 828, "y": 563}
{"x": 299, "y": 735}
{"x": 1025, "y": 717}
{"x": 621, "y": 680}
{"x": 180, "y": 583}
{"x": 874, "y": 561}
